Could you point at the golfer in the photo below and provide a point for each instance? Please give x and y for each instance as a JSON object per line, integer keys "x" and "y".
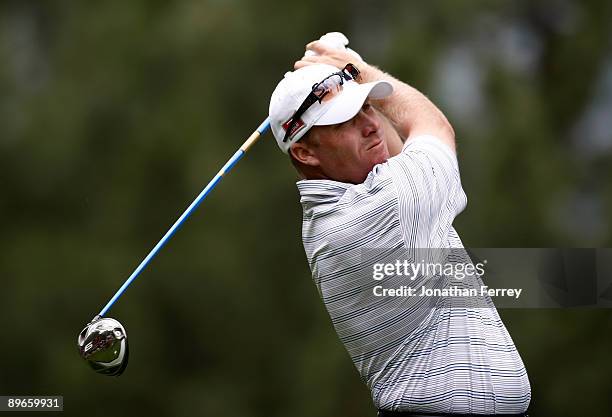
{"x": 339, "y": 119}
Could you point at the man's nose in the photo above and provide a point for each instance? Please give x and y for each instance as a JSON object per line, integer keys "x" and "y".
{"x": 368, "y": 121}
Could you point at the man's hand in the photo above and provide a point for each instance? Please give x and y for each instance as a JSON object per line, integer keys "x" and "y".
{"x": 338, "y": 58}
{"x": 326, "y": 55}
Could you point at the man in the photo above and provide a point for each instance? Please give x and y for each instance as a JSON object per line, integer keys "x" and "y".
{"x": 362, "y": 202}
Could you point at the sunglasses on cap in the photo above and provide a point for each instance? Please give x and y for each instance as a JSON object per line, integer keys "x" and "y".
{"x": 330, "y": 84}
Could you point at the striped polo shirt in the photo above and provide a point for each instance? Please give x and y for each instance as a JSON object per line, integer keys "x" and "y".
{"x": 427, "y": 354}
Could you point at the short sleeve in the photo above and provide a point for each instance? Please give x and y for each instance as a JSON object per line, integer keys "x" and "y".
{"x": 430, "y": 195}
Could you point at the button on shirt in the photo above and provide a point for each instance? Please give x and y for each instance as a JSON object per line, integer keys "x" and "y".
{"x": 436, "y": 357}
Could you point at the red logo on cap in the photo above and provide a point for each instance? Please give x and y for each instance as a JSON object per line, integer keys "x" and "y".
{"x": 297, "y": 126}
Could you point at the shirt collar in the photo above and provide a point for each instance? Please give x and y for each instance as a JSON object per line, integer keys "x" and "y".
{"x": 321, "y": 191}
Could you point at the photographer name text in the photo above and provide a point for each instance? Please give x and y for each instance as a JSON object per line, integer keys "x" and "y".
{"x": 484, "y": 290}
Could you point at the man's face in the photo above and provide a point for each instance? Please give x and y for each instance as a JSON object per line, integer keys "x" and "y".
{"x": 348, "y": 151}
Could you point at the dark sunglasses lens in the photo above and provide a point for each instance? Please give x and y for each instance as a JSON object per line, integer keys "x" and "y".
{"x": 320, "y": 90}
{"x": 352, "y": 70}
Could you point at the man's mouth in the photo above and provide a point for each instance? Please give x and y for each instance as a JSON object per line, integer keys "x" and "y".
{"x": 374, "y": 144}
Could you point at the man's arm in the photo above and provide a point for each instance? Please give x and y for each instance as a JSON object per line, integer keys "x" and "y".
{"x": 395, "y": 142}
{"x": 410, "y": 111}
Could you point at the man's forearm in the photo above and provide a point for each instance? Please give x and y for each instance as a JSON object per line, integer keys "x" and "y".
{"x": 409, "y": 110}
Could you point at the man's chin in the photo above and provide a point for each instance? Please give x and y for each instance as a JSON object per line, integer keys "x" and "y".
{"x": 380, "y": 154}
{"x": 380, "y": 159}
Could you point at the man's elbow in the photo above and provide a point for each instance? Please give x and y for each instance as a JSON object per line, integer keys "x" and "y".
{"x": 437, "y": 126}
{"x": 447, "y": 133}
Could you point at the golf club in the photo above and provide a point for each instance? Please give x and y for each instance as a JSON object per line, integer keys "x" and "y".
{"x": 103, "y": 342}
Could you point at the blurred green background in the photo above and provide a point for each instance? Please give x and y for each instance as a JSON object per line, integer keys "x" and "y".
{"x": 113, "y": 116}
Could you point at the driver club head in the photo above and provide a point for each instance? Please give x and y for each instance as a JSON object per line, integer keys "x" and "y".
{"x": 103, "y": 345}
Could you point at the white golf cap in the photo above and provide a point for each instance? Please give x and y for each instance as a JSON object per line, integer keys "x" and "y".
{"x": 293, "y": 89}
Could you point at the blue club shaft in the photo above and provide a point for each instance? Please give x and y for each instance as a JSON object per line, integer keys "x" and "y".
{"x": 265, "y": 125}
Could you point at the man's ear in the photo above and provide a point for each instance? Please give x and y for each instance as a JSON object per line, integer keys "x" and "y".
{"x": 304, "y": 154}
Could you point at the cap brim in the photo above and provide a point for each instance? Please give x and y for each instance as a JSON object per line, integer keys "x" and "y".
{"x": 347, "y": 104}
